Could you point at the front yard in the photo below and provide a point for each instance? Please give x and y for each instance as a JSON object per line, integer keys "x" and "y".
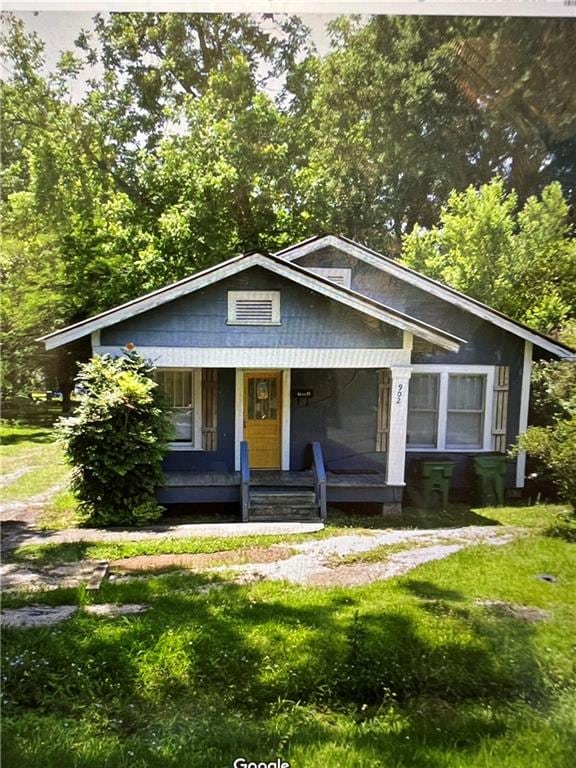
{"x": 465, "y": 662}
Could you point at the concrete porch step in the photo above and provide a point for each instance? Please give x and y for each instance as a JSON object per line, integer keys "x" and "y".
{"x": 283, "y": 505}
{"x": 282, "y": 498}
{"x": 275, "y": 514}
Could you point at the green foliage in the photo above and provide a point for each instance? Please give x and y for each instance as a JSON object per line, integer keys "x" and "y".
{"x": 555, "y": 446}
{"x": 116, "y": 441}
{"x": 553, "y": 442}
{"x": 554, "y": 390}
{"x": 202, "y": 135}
{"x": 522, "y": 262}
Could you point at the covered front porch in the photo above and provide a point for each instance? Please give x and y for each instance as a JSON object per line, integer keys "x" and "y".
{"x": 282, "y": 494}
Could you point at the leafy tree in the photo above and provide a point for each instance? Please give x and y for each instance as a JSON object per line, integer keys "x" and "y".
{"x": 116, "y": 440}
{"x": 520, "y": 74}
{"x": 407, "y": 109}
{"x": 520, "y": 261}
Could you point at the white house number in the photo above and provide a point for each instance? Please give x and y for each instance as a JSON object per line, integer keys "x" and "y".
{"x": 399, "y": 393}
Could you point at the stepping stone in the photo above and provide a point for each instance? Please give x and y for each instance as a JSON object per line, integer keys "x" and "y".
{"x": 112, "y": 609}
{"x": 36, "y": 616}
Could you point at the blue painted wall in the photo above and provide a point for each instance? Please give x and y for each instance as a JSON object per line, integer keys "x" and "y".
{"x": 221, "y": 460}
{"x": 341, "y": 415}
{"x": 487, "y": 344}
{"x": 309, "y": 320}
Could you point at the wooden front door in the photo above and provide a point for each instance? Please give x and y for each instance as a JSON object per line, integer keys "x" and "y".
{"x": 263, "y": 418}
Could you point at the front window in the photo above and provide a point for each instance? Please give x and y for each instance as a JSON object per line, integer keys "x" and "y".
{"x": 447, "y": 411}
{"x": 465, "y": 413}
{"x": 181, "y": 388}
{"x": 423, "y": 410}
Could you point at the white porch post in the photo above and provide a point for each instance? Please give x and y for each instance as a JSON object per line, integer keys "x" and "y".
{"x": 396, "y": 460}
{"x": 524, "y": 404}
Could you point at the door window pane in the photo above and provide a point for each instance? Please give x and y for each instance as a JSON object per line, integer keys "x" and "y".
{"x": 423, "y": 410}
{"x": 465, "y": 417}
{"x": 262, "y": 398}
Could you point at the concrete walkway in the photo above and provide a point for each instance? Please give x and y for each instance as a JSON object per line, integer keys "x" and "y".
{"x": 30, "y": 535}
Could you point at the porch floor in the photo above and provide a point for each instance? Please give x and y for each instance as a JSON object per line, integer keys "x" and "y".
{"x": 270, "y": 478}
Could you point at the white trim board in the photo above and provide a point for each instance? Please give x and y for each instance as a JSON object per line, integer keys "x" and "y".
{"x": 426, "y": 284}
{"x": 295, "y": 273}
{"x": 265, "y": 357}
{"x": 523, "y": 419}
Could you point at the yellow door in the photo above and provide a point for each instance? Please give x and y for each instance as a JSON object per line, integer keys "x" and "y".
{"x": 263, "y": 418}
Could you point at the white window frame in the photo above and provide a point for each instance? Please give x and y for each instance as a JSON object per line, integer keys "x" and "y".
{"x": 444, "y": 371}
{"x": 344, "y": 272}
{"x": 196, "y": 445}
{"x": 235, "y": 296}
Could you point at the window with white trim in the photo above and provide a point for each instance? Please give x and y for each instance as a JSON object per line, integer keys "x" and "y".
{"x": 182, "y": 388}
{"x": 449, "y": 409}
{"x": 253, "y": 307}
{"x": 339, "y": 275}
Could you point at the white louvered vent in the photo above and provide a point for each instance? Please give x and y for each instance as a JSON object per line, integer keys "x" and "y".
{"x": 253, "y": 307}
{"x": 252, "y": 311}
{"x": 338, "y": 275}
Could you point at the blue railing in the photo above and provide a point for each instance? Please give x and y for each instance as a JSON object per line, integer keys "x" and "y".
{"x": 244, "y": 480}
{"x": 319, "y": 473}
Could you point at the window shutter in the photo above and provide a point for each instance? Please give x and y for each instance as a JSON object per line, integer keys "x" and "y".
{"x": 500, "y": 408}
{"x": 209, "y": 408}
{"x": 383, "y": 410}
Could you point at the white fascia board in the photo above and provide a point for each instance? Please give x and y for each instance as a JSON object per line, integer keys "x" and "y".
{"x": 426, "y": 284}
{"x": 298, "y": 275}
{"x": 148, "y": 302}
{"x": 265, "y": 357}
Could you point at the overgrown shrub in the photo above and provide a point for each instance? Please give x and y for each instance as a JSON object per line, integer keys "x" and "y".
{"x": 116, "y": 440}
{"x": 554, "y": 445}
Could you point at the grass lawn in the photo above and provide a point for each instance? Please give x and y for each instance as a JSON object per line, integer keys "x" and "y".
{"x": 33, "y": 465}
{"x": 414, "y": 671}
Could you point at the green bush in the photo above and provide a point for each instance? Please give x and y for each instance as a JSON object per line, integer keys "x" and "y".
{"x": 116, "y": 440}
{"x": 555, "y": 446}
{"x": 553, "y": 441}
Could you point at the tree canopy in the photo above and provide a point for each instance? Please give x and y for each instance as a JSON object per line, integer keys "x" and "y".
{"x": 203, "y": 135}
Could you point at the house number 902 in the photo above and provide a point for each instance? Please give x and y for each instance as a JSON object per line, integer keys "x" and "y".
{"x": 399, "y": 394}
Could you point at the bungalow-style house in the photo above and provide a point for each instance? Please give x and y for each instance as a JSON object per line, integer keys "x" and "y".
{"x": 323, "y": 373}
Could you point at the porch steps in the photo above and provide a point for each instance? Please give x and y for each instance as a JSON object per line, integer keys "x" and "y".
{"x": 281, "y": 504}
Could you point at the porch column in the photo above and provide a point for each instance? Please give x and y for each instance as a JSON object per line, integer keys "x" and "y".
{"x": 396, "y": 460}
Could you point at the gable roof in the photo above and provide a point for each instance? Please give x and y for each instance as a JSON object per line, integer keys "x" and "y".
{"x": 427, "y": 284}
{"x": 233, "y": 266}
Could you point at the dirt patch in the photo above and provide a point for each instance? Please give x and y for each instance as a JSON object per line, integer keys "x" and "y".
{"x": 313, "y": 560}
{"x": 28, "y": 511}
{"x": 202, "y": 561}
{"x": 397, "y": 564}
{"x": 525, "y": 612}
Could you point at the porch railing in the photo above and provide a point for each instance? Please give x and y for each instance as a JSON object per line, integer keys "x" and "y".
{"x": 319, "y": 473}
{"x": 244, "y": 480}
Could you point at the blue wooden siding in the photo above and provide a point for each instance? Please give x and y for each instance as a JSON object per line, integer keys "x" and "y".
{"x": 222, "y": 459}
{"x": 341, "y": 415}
{"x": 487, "y": 344}
{"x": 308, "y": 320}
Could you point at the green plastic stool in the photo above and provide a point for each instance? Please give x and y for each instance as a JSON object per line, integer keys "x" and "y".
{"x": 490, "y": 474}
{"x": 435, "y": 477}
